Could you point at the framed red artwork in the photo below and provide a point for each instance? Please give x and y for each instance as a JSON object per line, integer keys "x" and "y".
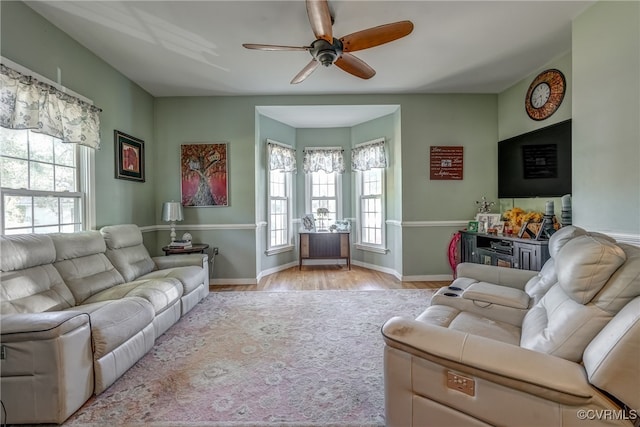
{"x": 129, "y": 157}
{"x": 205, "y": 174}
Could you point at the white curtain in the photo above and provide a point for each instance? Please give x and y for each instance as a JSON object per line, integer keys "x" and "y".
{"x": 368, "y": 156}
{"x": 281, "y": 157}
{"x": 26, "y": 103}
{"x": 323, "y": 159}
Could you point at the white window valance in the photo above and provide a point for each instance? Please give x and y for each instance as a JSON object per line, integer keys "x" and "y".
{"x": 281, "y": 157}
{"x": 369, "y": 155}
{"x": 323, "y": 159}
{"x": 27, "y": 103}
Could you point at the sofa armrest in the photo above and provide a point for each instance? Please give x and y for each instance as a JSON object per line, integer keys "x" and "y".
{"x": 170, "y": 261}
{"x": 497, "y": 294}
{"x": 47, "y": 366}
{"x": 535, "y": 373}
{"x": 504, "y": 276}
{"x": 40, "y": 326}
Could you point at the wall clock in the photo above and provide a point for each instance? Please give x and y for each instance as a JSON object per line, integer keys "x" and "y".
{"x": 545, "y": 94}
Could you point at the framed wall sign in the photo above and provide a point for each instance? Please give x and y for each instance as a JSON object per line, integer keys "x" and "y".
{"x": 129, "y": 157}
{"x": 204, "y": 175}
{"x": 446, "y": 162}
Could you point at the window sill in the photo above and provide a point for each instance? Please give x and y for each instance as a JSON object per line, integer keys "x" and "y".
{"x": 369, "y": 248}
{"x": 279, "y": 250}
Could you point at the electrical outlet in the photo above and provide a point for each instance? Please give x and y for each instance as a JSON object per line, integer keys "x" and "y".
{"x": 215, "y": 251}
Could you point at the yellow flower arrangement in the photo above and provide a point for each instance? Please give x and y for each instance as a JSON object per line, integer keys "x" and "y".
{"x": 518, "y": 216}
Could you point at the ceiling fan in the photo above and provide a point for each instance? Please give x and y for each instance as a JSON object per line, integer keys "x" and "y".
{"x": 327, "y": 50}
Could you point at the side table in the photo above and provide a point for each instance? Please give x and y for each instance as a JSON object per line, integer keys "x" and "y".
{"x": 194, "y": 249}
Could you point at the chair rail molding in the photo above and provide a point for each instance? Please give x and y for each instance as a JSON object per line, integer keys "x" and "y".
{"x": 446, "y": 223}
{"x": 162, "y": 227}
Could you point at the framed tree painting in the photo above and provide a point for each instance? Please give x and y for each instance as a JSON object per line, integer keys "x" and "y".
{"x": 204, "y": 174}
{"x": 129, "y": 157}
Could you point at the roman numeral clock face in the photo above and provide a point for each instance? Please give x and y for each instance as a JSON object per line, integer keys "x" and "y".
{"x": 545, "y": 94}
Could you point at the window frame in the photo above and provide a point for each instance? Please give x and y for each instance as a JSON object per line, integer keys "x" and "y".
{"x": 308, "y": 199}
{"x": 360, "y": 197}
{"x": 288, "y": 183}
{"x": 84, "y": 192}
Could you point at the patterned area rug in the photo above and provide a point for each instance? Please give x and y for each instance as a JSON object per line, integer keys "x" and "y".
{"x": 305, "y": 358}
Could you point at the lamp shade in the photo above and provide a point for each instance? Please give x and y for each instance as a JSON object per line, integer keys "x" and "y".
{"x": 172, "y": 211}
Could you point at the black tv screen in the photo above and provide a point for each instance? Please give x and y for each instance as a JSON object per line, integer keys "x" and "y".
{"x": 536, "y": 164}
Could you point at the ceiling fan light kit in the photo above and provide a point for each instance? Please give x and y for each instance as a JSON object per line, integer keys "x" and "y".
{"x": 327, "y": 50}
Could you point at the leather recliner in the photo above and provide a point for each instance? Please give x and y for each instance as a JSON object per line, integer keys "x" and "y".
{"x": 572, "y": 359}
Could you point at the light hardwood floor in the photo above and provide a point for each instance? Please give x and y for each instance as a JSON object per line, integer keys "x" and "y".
{"x": 323, "y": 277}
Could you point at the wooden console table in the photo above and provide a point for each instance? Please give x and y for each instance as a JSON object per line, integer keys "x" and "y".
{"x": 503, "y": 251}
{"x": 325, "y": 245}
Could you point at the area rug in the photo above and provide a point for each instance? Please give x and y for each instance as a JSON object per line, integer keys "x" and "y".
{"x": 303, "y": 358}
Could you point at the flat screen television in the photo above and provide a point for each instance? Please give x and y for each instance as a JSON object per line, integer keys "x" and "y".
{"x": 536, "y": 164}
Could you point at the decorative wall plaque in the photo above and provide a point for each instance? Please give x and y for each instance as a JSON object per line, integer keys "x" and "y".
{"x": 446, "y": 162}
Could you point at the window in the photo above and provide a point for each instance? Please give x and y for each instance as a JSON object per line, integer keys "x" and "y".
{"x": 324, "y": 191}
{"x": 44, "y": 183}
{"x": 281, "y": 160}
{"x": 279, "y": 209}
{"x": 371, "y": 207}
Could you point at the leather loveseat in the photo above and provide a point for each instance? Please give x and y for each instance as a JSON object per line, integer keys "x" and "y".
{"x": 79, "y": 309}
{"x": 503, "y": 347}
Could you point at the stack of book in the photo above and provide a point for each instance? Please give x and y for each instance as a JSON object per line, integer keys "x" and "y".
{"x": 181, "y": 244}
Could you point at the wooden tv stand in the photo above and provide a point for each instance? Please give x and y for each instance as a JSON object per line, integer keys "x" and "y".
{"x": 503, "y": 251}
{"x": 325, "y": 245}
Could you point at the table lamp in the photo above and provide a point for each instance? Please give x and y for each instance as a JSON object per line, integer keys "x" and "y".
{"x": 172, "y": 211}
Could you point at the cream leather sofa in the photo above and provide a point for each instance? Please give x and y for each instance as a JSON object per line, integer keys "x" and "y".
{"x": 78, "y": 310}
{"x": 511, "y": 348}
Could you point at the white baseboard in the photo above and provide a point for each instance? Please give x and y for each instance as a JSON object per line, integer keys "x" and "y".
{"x": 233, "y": 282}
{"x": 272, "y": 270}
{"x": 428, "y": 278}
{"x": 377, "y": 268}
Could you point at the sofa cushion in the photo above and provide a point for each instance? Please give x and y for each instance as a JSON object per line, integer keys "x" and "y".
{"x": 116, "y": 321}
{"x": 121, "y": 236}
{"x": 611, "y": 359}
{"x": 562, "y": 236}
{"x": 126, "y": 251}
{"x": 83, "y": 265}
{"x": 547, "y": 277}
{"x": 585, "y": 264}
{"x": 452, "y": 318}
{"x": 560, "y": 326}
{"x": 79, "y": 244}
{"x": 162, "y": 294}
{"x": 21, "y": 251}
{"x": 30, "y": 283}
{"x": 624, "y": 284}
{"x": 191, "y": 277}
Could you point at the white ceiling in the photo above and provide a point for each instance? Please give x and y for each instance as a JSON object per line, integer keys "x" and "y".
{"x": 194, "y": 48}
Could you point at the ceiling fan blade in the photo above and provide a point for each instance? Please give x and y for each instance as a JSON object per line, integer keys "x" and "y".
{"x": 274, "y": 47}
{"x": 306, "y": 72}
{"x": 320, "y": 19}
{"x": 376, "y": 36}
{"x": 355, "y": 66}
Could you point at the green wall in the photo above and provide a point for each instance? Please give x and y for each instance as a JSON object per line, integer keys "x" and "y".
{"x": 603, "y": 101}
{"x": 383, "y": 127}
{"x": 433, "y": 210}
{"x": 606, "y": 118}
{"x": 277, "y": 131}
{"x": 602, "y": 72}
{"x": 513, "y": 121}
{"x": 31, "y": 41}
